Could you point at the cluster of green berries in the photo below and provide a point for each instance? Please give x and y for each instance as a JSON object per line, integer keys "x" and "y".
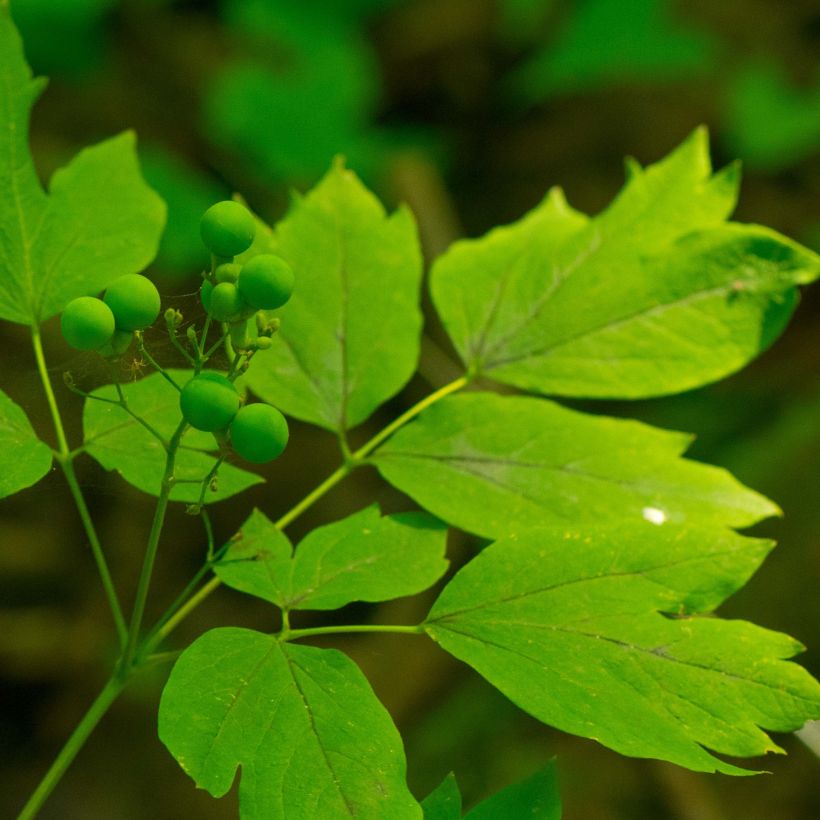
{"x": 257, "y": 432}
{"x": 130, "y": 303}
{"x": 231, "y": 292}
{"x": 235, "y": 294}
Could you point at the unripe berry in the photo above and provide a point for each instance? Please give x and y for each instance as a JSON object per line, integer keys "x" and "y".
{"x": 227, "y": 272}
{"x": 87, "y": 323}
{"x": 266, "y": 282}
{"x": 259, "y": 433}
{"x": 134, "y": 301}
{"x": 227, "y": 228}
{"x": 226, "y": 303}
{"x": 209, "y": 402}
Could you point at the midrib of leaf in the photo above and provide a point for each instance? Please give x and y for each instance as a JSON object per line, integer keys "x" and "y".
{"x": 642, "y": 314}
{"x": 624, "y": 645}
{"x": 16, "y": 168}
{"x": 351, "y": 809}
{"x": 595, "y": 244}
{"x": 49, "y": 271}
{"x": 591, "y": 578}
{"x": 342, "y": 331}
{"x": 477, "y": 348}
{"x": 320, "y": 580}
{"x": 235, "y": 696}
{"x": 459, "y": 464}
{"x": 560, "y": 276}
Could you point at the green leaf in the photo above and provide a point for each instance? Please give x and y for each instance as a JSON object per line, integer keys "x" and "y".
{"x": 610, "y": 41}
{"x": 98, "y": 221}
{"x": 24, "y": 459}
{"x": 350, "y": 334}
{"x": 654, "y": 296}
{"x": 602, "y": 632}
{"x": 363, "y": 557}
{"x": 303, "y": 723}
{"x": 119, "y": 442}
{"x": 535, "y": 797}
{"x": 444, "y": 802}
{"x": 496, "y": 465}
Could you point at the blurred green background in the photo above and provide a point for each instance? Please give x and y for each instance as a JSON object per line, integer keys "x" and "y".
{"x": 468, "y": 110}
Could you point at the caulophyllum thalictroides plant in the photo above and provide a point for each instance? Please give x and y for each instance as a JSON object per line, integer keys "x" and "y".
{"x": 592, "y": 608}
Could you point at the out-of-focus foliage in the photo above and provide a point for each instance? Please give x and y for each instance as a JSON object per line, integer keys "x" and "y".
{"x": 613, "y": 41}
{"x": 771, "y": 122}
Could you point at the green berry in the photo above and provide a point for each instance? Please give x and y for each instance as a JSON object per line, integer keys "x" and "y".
{"x": 209, "y": 402}
{"x": 118, "y": 344}
{"x": 266, "y": 282}
{"x": 259, "y": 433}
{"x": 227, "y": 228}
{"x": 87, "y": 323}
{"x": 134, "y": 301}
{"x": 205, "y": 295}
{"x": 226, "y": 303}
{"x": 227, "y": 272}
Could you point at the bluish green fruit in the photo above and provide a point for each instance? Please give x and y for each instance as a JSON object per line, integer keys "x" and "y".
{"x": 266, "y": 282}
{"x": 209, "y": 402}
{"x": 226, "y": 303}
{"x": 134, "y": 301}
{"x": 259, "y": 433}
{"x": 118, "y": 343}
{"x": 227, "y": 228}
{"x": 87, "y": 323}
{"x": 227, "y": 272}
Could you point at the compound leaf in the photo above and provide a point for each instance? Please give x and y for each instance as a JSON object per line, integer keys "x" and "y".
{"x": 24, "y": 459}
{"x": 495, "y": 465}
{"x": 444, "y": 802}
{"x": 601, "y": 632}
{"x": 364, "y": 557}
{"x": 118, "y": 442}
{"x": 303, "y": 723}
{"x": 350, "y": 334}
{"x": 98, "y": 220}
{"x": 535, "y": 797}
{"x": 654, "y": 296}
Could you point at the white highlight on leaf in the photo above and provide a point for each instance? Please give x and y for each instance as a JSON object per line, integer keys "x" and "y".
{"x": 654, "y": 515}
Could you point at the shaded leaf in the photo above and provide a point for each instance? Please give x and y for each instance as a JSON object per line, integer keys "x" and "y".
{"x": 303, "y": 723}
{"x": 654, "y": 296}
{"x": 120, "y": 443}
{"x": 364, "y": 557}
{"x": 24, "y": 459}
{"x": 600, "y": 632}
{"x": 444, "y": 802}
{"x": 536, "y": 797}
{"x": 496, "y": 465}
{"x": 98, "y": 221}
{"x": 350, "y": 334}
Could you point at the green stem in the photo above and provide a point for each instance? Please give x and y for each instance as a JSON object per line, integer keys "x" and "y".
{"x": 72, "y": 746}
{"x": 380, "y": 437}
{"x": 96, "y": 549}
{"x": 295, "y": 634}
{"x": 65, "y": 460}
{"x": 153, "y": 545}
{"x": 154, "y": 363}
{"x": 311, "y": 498}
{"x": 331, "y": 481}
